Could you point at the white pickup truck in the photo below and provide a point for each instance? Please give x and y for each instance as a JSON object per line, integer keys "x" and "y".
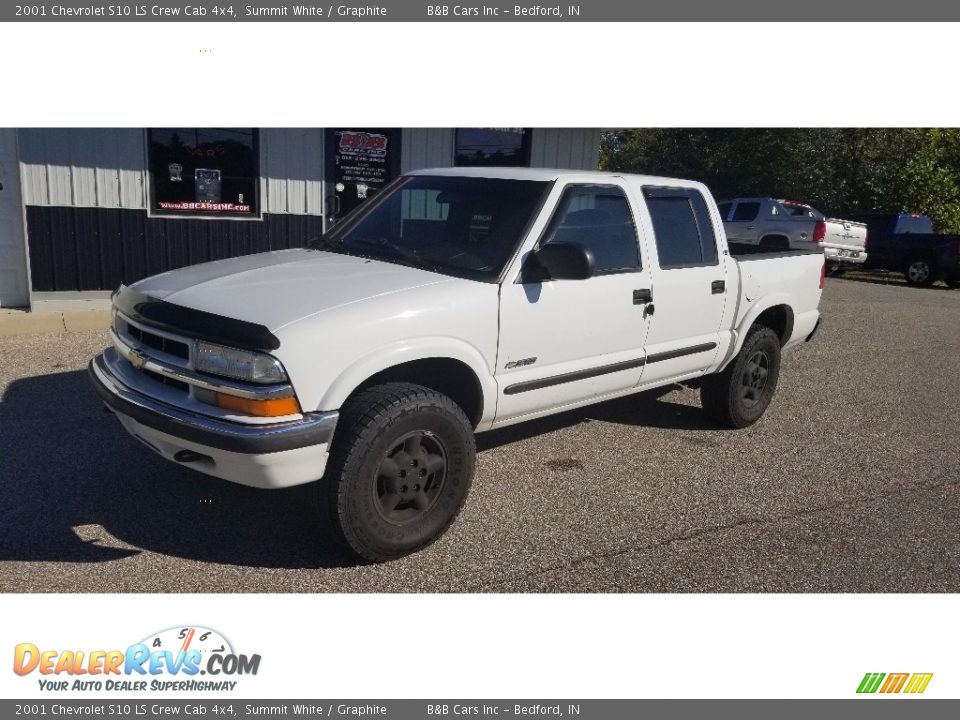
{"x": 455, "y": 301}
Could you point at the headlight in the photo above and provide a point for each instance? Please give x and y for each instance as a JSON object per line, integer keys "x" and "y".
{"x": 237, "y": 364}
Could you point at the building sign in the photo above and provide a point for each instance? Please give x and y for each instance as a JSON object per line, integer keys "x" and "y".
{"x": 204, "y": 171}
{"x": 362, "y": 158}
{"x": 360, "y": 163}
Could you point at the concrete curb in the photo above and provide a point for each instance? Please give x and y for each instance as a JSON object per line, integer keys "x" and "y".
{"x": 53, "y": 322}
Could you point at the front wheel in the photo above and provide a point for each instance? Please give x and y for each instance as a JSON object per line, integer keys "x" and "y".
{"x": 919, "y": 272}
{"x": 400, "y": 468}
{"x": 738, "y": 396}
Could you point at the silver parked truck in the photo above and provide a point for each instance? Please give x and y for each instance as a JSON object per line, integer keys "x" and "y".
{"x": 790, "y": 225}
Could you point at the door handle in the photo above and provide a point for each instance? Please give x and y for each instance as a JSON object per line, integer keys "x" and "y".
{"x": 751, "y": 227}
{"x": 718, "y": 286}
{"x": 642, "y": 296}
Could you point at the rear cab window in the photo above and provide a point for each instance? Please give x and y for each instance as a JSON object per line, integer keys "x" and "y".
{"x": 914, "y": 224}
{"x": 682, "y": 228}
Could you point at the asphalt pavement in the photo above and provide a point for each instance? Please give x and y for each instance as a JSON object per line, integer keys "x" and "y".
{"x": 849, "y": 483}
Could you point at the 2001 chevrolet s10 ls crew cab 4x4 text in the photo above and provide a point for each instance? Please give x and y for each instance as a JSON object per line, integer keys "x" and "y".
{"x": 454, "y": 302}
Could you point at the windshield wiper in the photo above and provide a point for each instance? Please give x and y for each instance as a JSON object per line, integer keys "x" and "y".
{"x": 400, "y": 251}
{"x": 323, "y": 242}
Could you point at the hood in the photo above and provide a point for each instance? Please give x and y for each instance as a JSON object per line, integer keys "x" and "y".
{"x": 278, "y": 288}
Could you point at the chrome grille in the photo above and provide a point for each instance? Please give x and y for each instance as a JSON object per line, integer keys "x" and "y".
{"x": 158, "y": 342}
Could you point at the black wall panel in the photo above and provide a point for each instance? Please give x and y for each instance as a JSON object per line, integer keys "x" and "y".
{"x": 98, "y": 248}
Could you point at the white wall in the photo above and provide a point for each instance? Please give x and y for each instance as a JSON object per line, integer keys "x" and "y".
{"x": 567, "y": 148}
{"x": 106, "y": 168}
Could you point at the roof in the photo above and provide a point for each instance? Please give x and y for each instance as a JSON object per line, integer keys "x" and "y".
{"x": 543, "y": 174}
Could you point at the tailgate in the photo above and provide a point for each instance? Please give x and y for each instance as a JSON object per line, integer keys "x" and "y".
{"x": 846, "y": 234}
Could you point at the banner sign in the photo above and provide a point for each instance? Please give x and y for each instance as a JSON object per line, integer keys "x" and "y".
{"x": 410, "y": 11}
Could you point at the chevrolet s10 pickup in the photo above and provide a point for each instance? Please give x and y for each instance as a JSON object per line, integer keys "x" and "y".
{"x": 455, "y": 301}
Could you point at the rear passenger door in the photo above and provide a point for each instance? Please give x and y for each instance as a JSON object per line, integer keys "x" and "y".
{"x": 565, "y": 341}
{"x": 689, "y": 284}
{"x": 744, "y": 223}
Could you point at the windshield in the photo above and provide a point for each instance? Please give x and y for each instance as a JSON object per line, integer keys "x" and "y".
{"x": 463, "y": 226}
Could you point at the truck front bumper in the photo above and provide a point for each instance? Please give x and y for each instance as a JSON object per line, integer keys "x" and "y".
{"x": 264, "y": 456}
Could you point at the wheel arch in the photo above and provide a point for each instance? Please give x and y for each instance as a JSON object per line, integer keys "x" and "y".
{"x": 774, "y": 237}
{"x": 456, "y": 370}
{"x": 775, "y": 313}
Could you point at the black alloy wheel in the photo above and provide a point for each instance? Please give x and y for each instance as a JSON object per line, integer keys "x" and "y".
{"x": 754, "y": 378}
{"x": 410, "y": 477}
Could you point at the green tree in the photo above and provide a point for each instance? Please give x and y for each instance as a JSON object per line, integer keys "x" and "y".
{"x": 835, "y": 169}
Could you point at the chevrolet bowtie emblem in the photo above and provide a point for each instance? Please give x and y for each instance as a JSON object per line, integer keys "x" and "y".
{"x": 137, "y": 358}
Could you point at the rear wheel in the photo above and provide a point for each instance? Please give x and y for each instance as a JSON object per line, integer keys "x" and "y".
{"x": 835, "y": 269}
{"x": 738, "y": 396}
{"x": 400, "y": 469}
{"x": 919, "y": 271}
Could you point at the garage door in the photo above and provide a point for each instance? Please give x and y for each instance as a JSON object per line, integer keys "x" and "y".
{"x": 13, "y": 264}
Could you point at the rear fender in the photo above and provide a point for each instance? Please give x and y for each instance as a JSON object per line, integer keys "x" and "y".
{"x": 743, "y": 327}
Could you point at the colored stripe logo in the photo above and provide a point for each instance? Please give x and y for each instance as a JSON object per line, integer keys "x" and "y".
{"x": 913, "y": 683}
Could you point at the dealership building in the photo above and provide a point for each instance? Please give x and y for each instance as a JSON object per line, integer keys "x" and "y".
{"x": 84, "y": 210}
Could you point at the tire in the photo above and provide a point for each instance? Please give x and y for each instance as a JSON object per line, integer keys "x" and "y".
{"x": 919, "y": 271}
{"x": 835, "y": 269}
{"x": 400, "y": 468}
{"x": 738, "y": 396}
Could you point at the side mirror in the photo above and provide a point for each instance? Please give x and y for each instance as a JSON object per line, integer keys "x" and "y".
{"x": 565, "y": 261}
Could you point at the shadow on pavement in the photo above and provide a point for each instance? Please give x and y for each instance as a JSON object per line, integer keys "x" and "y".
{"x": 647, "y": 409}
{"x": 887, "y": 279}
{"x": 77, "y": 488}
{"x": 72, "y": 478}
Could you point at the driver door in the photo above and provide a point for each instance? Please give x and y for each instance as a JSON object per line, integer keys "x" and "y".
{"x": 565, "y": 341}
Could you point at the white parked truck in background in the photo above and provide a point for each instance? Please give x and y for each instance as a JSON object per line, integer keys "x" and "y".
{"x": 455, "y": 301}
{"x": 775, "y": 224}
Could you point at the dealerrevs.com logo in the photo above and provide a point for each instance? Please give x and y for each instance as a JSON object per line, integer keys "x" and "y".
{"x": 178, "y": 659}
{"x": 893, "y": 683}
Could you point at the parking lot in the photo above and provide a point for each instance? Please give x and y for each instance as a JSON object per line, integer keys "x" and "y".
{"x": 848, "y": 484}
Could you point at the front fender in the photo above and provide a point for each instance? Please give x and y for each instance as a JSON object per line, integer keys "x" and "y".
{"x": 426, "y": 348}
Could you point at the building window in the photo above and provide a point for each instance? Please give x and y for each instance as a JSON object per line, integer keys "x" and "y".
{"x": 204, "y": 171}
{"x": 492, "y": 147}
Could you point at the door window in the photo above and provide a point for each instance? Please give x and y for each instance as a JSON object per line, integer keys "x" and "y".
{"x": 681, "y": 224}
{"x": 746, "y": 212}
{"x": 599, "y": 218}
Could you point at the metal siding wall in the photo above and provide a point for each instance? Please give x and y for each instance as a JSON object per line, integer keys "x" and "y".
{"x": 292, "y": 168}
{"x": 105, "y": 168}
{"x": 85, "y": 167}
{"x": 98, "y": 248}
{"x": 565, "y": 148}
{"x": 426, "y": 148}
